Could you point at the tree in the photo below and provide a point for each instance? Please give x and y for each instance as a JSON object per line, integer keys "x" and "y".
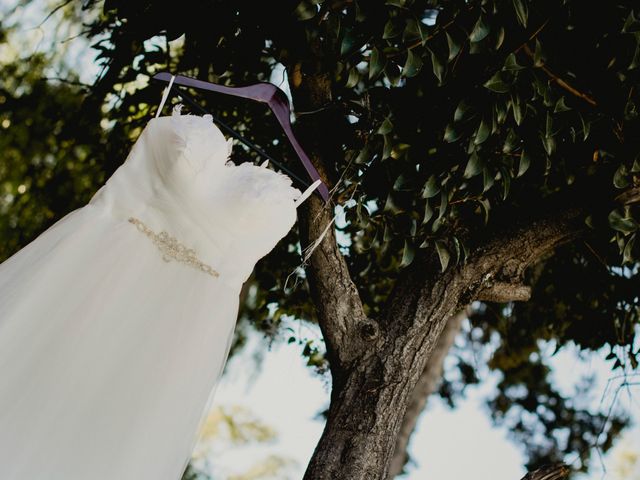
{"x": 480, "y": 150}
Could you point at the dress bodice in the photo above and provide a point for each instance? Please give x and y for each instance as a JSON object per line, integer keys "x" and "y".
{"x": 178, "y": 179}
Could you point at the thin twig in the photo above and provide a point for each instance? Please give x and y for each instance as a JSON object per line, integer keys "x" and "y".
{"x": 422, "y": 41}
{"x": 52, "y": 12}
{"x": 533, "y": 35}
{"x": 69, "y": 82}
{"x": 595, "y": 254}
{"x": 560, "y": 81}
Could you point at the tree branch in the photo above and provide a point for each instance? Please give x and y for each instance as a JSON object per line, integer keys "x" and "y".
{"x": 346, "y": 329}
{"x": 560, "y": 81}
{"x": 502, "y": 292}
{"x": 629, "y": 197}
{"x": 549, "y": 472}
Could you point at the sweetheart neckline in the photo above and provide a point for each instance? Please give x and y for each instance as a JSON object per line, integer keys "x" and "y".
{"x": 177, "y": 114}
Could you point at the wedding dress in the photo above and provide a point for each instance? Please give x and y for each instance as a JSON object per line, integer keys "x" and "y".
{"x": 116, "y": 322}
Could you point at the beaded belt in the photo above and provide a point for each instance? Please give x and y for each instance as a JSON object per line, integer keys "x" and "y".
{"x": 172, "y": 249}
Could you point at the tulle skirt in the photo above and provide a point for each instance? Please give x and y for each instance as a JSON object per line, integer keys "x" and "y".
{"x": 109, "y": 355}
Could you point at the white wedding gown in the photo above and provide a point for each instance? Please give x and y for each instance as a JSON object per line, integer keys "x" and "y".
{"x": 116, "y": 322}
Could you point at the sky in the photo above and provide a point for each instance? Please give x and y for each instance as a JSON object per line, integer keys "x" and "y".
{"x": 447, "y": 444}
{"x": 283, "y": 393}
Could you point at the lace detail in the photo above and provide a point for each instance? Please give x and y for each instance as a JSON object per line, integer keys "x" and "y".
{"x": 203, "y": 145}
{"x": 264, "y": 183}
{"x": 172, "y": 249}
{"x": 207, "y": 151}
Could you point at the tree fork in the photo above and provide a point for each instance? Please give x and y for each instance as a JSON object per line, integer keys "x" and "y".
{"x": 374, "y": 376}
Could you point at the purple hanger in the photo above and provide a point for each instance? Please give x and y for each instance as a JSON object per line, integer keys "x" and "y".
{"x": 263, "y": 92}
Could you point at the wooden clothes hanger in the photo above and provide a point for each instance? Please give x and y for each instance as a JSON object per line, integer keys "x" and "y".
{"x": 263, "y": 92}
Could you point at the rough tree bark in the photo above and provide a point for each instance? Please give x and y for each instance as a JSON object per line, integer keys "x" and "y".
{"x": 427, "y": 384}
{"x": 549, "y": 472}
{"x": 377, "y": 363}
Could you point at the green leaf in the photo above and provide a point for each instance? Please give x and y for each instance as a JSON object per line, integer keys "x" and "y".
{"x": 451, "y": 134}
{"x": 364, "y": 155}
{"x": 627, "y": 253}
{"x": 517, "y": 110}
{"x": 482, "y": 133}
{"x": 586, "y": 127}
{"x": 539, "y": 58}
{"x": 413, "y": 64}
{"x": 480, "y": 30}
{"x": 443, "y": 254}
{"x": 488, "y": 179}
{"x": 561, "y": 106}
{"x": 392, "y": 29}
{"x": 506, "y": 182}
{"x": 390, "y": 205}
{"x": 402, "y": 183}
{"x": 636, "y": 166}
{"x": 305, "y": 10}
{"x": 497, "y": 84}
{"x": 444, "y": 203}
{"x": 408, "y": 254}
{"x": 454, "y": 46}
{"x": 363, "y": 215}
{"x": 462, "y": 111}
{"x": 387, "y": 147}
{"x": 474, "y": 166}
{"x": 631, "y": 25}
{"x": 523, "y": 164}
{"x": 387, "y": 236}
{"x": 428, "y": 212}
{"x": 511, "y": 63}
{"x": 549, "y": 144}
{"x": 438, "y": 67}
{"x": 635, "y": 61}
{"x": 589, "y": 222}
{"x": 354, "y": 78}
{"x": 348, "y": 42}
{"x": 500, "y": 38}
{"x": 413, "y": 30}
{"x": 393, "y": 73}
{"x": 437, "y": 223}
{"x": 456, "y": 245}
{"x": 622, "y": 224}
{"x": 500, "y": 114}
{"x": 486, "y": 206}
{"x": 386, "y": 127}
{"x": 549, "y": 125}
{"x": 620, "y": 178}
{"x": 522, "y": 12}
{"x": 510, "y": 142}
{"x": 431, "y": 188}
{"x": 377, "y": 62}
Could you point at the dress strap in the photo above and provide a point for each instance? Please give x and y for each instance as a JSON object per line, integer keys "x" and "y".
{"x": 165, "y": 95}
{"x": 302, "y": 197}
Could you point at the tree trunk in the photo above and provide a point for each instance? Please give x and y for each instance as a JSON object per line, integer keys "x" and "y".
{"x": 428, "y": 383}
{"x": 549, "y": 472}
{"x": 377, "y": 363}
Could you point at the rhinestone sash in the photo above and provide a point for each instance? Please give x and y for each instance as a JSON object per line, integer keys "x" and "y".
{"x": 172, "y": 249}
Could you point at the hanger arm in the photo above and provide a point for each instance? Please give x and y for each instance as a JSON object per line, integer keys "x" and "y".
{"x": 260, "y": 92}
{"x": 282, "y": 112}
